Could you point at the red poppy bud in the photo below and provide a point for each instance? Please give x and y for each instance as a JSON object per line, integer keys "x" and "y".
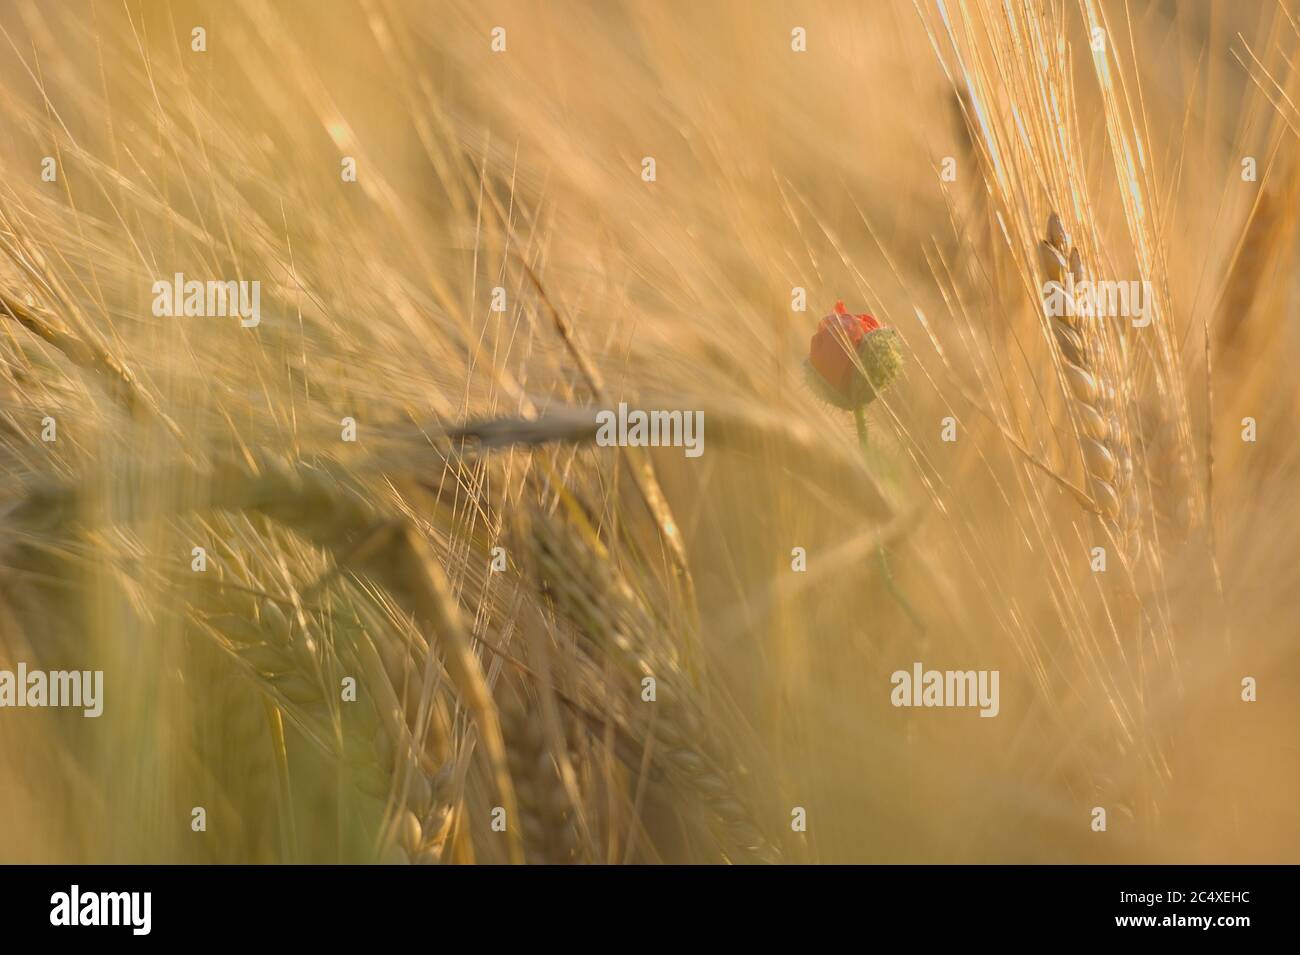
{"x": 843, "y": 344}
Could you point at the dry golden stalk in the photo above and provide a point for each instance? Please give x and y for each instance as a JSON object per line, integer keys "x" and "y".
{"x": 1268, "y": 232}
{"x": 246, "y": 749}
{"x": 744, "y": 427}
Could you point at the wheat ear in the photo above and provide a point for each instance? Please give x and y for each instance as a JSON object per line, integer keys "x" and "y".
{"x": 1100, "y": 430}
{"x": 698, "y": 765}
{"x": 550, "y": 835}
{"x": 282, "y": 661}
{"x": 367, "y": 542}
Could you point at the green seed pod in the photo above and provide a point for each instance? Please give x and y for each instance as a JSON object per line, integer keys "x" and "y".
{"x": 882, "y": 359}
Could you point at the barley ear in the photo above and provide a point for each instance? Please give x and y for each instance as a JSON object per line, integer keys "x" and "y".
{"x": 1099, "y": 429}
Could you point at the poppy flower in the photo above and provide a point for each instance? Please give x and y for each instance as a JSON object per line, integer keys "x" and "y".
{"x": 831, "y": 367}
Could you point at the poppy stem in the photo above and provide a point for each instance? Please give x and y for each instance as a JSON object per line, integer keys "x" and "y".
{"x": 860, "y": 419}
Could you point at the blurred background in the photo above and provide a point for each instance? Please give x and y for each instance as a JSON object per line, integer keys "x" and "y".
{"x": 791, "y": 170}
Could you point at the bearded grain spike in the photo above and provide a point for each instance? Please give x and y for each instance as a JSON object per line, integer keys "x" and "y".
{"x": 332, "y": 516}
{"x": 589, "y": 592}
{"x": 1093, "y": 401}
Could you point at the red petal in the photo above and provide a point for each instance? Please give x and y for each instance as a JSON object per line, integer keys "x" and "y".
{"x": 828, "y": 352}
